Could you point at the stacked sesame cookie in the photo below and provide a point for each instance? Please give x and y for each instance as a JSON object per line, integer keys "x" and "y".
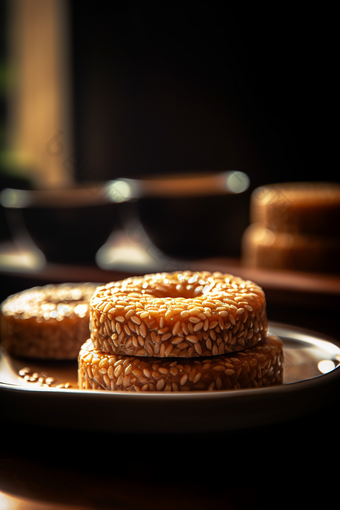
{"x": 179, "y": 332}
{"x": 294, "y": 226}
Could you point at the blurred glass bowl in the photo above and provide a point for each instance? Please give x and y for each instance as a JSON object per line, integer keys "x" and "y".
{"x": 183, "y": 216}
{"x": 191, "y": 216}
{"x": 67, "y": 225}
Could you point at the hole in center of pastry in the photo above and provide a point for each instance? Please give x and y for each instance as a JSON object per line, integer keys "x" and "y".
{"x": 185, "y": 288}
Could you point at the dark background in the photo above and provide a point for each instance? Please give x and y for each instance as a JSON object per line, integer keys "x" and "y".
{"x": 179, "y": 87}
{"x": 168, "y": 88}
{"x": 174, "y": 87}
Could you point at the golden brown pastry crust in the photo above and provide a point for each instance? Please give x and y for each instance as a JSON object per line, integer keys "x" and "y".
{"x": 49, "y": 322}
{"x": 187, "y": 314}
{"x": 259, "y": 366}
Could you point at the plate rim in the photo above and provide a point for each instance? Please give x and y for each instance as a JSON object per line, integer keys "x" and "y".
{"x": 285, "y": 387}
{"x": 222, "y": 411}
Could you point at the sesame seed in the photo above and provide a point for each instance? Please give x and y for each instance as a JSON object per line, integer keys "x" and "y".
{"x": 164, "y": 309}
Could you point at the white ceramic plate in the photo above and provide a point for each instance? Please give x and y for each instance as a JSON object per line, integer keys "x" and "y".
{"x": 311, "y": 381}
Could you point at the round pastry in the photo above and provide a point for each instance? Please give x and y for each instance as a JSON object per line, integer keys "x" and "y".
{"x": 180, "y": 314}
{"x": 310, "y": 208}
{"x": 256, "y": 367}
{"x": 49, "y": 322}
{"x": 267, "y": 249}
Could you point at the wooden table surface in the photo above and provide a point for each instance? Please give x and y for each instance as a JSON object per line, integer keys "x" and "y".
{"x": 52, "y": 469}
